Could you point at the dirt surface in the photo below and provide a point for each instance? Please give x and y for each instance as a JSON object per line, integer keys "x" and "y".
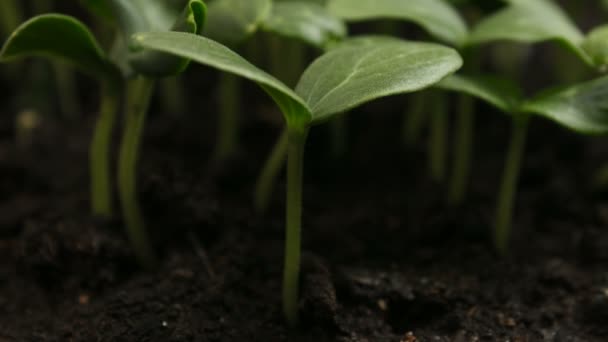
{"x": 385, "y": 259}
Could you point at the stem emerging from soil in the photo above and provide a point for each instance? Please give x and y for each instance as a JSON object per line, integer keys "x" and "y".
{"x": 465, "y": 124}
{"x": 438, "y": 138}
{"x": 267, "y": 178}
{"x": 228, "y": 119}
{"x": 291, "y": 273}
{"x": 506, "y": 195}
{"x": 99, "y": 154}
{"x": 140, "y": 92}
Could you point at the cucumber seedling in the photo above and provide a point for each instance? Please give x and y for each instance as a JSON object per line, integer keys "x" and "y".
{"x": 66, "y": 38}
{"x": 235, "y": 22}
{"x": 345, "y": 77}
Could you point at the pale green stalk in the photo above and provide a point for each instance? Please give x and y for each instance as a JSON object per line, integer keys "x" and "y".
{"x": 138, "y": 101}
{"x": 438, "y": 138}
{"x": 99, "y": 154}
{"x": 267, "y": 178}
{"x": 228, "y": 118}
{"x": 508, "y": 187}
{"x": 465, "y": 125}
{"x": 415, "y": 118}
{"x": 291, "y": 273}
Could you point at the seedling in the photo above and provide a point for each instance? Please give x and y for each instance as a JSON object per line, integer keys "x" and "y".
{"x": 345, "y": 77}
{"x": 441, "y": 21}
{"x": 65, "y": 38}
{"x": 233, "y": 22}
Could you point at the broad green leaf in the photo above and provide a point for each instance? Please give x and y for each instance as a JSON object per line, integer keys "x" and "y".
{"x": 530, "y": 21}
{"x": 231, "y": 21}
{"x": 153, "y": 63}
{"x": 306, "y": 21}
{"x": 582, "y": 107}
{"x": 352, "y": 74}
{"x": 596, "y": 46}
{"x": 59, "y": 36}
{"x": 208, "y": 52}
{"x": 437, "y": 17}
{"x": 499, "y": 92}
{"x": 143, "y": 15}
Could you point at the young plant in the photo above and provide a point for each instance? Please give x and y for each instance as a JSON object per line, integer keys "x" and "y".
{"x": 312, "y": 24}
{"x": 233, "y": 22}
{"x": 345, "y": 77}
{"x": 581, "y": 108}
{"x": 65, "y": 38}
{"x": 441, "y": 21}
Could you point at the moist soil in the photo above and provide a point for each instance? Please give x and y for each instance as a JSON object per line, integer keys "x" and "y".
{"x": 384, "y": 258}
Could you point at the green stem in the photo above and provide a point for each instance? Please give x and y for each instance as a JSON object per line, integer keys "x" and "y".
{"x": 99, "y": 154}
{"x": 172, "y": 96}
{"x": 291, "y": 273}
{"x": 67, "y": 93}
{"x": 138, "y": 101}
{"x": 339, "y": 133}
{"x": 228, "y": 119}
{"x": 415, "y": 118}
{"x": 465, "y": 124}
{"x": 438, "y": 138}
{"x": 506, "y": 195}
{"x": 268, "y": 176}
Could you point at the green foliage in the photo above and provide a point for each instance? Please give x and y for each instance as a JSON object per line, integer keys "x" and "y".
{"x": 530, "y": 21}
{"x": 137, "y": 16}
{"x": 582, "y": 107}
{"x": 500, "y": 92}
{"x": 437, "y": 17}
{"x": 305, "y": 21}
{"x": 596, "y": 46}
{"x": 341, "y": 79}
{"x": 63, "y": 37}
{"x": 230, "y": 22}
{"x": 349, "y": 76}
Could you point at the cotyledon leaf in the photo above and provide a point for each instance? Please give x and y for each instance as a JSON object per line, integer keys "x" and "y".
{"x": 582, "y": 107}
{"x": 437, "y": 17}
{"x": 59, "y": 36}
{"x": 352, "y": 74}
{"x": 156, "y": 64}
{"x": 499, "y": 92}
{"x": 596, "y": 46}
{"x": 208, "y": 52}
{"x": 232, "y": 21}
{"x": 530, "y": 21}
{"x": 306, "y": 21}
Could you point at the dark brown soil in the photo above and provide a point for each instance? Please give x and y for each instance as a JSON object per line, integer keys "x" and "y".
{"x": 385, "y": 259}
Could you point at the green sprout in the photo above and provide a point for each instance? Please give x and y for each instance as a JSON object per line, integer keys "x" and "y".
{"x": 235, "y": 22}
{"x": 65, "y": 38}
{"x": 348, "y": 76}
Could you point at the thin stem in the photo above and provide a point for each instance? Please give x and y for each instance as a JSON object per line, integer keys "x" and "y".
{"x": 415, "y": 118}
{"x": 339, "y": 136}
{"x": 172, "y": 96}
{"x": 99, "y": 153}
{"x": 67, "y": 91}
{"x": 506, "y": 195}
{"x": 438, "y": 138}
{"x": 138, "y": 100}
{"x": 228, "y": 119}
{"x": 465, "y": 125}
{"x": 267, "y": 178}
{"x": 291, "y": 273}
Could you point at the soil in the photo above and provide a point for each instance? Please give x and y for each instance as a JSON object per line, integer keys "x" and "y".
{"x": 384, "y": 258}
